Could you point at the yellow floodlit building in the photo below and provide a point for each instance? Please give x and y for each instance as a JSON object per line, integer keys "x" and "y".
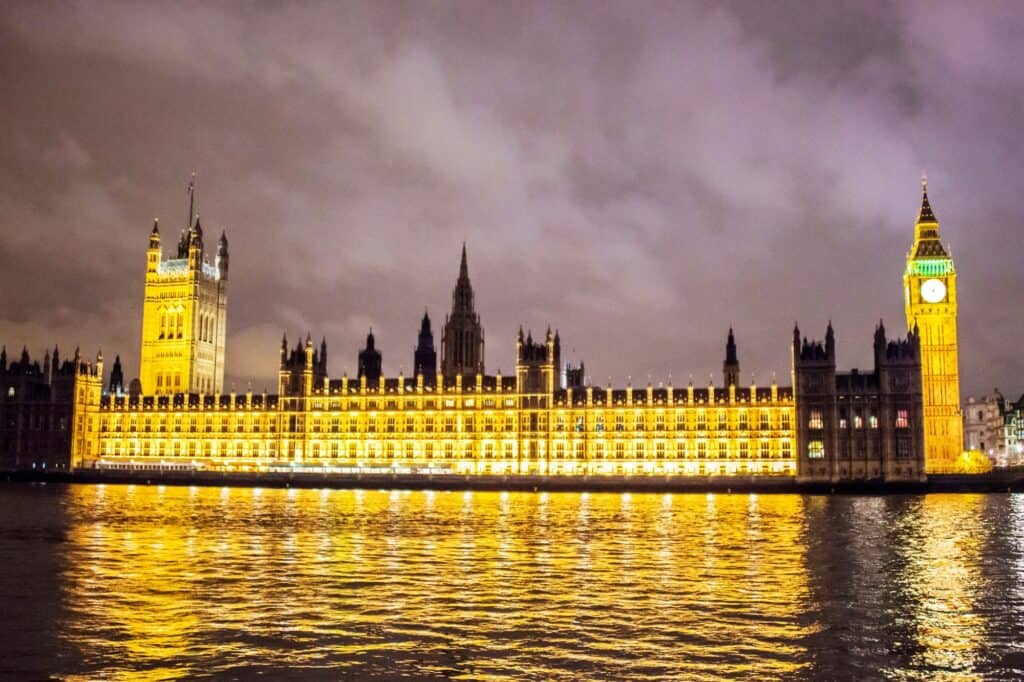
{"x": 930, "y": 299}
{"x": 547, "y": 419}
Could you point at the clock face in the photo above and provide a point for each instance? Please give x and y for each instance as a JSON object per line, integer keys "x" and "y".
{"x": 933, "y": 290}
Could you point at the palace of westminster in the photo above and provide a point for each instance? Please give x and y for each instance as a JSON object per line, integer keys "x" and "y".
{"x": 897, "y": 422}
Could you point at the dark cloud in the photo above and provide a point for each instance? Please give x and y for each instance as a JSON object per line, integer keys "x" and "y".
{"x": 639, "y": 175}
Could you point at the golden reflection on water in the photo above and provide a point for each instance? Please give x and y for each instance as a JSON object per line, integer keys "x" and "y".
{"x": 172, "y": 582}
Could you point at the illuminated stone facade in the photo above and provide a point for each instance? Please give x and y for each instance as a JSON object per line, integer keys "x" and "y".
{"x": 184, "y": 315}
{"x": 483, "y": 426}
{"x": 930, "y": 299}
{"x": 545, "y": 420}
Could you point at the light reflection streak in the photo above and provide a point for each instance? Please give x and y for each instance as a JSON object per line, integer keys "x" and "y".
{"x": 544, "y": 586}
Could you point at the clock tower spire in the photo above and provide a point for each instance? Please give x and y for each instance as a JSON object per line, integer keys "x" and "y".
{"x": 930, "y": 300}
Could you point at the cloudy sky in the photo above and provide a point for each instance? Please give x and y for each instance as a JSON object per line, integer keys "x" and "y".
{"x": 640, "y": 175}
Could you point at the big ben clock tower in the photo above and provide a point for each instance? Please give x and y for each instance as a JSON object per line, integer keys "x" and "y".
{"x": 929, "y": 294}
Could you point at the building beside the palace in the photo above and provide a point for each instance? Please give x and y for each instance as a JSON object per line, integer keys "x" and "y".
{"x": 544, "y": 419}
{"x": 993, "y": 426}
{"x": 38, "y": 427}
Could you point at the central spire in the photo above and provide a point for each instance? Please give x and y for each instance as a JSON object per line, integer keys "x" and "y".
{"x": 462, "y": 340}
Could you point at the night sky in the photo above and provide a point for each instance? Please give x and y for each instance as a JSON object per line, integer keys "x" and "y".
{"x": 639, "y": 175}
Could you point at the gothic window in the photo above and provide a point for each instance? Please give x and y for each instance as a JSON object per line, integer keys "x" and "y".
{"x": 702, "y": 450}
{"x": 620, "y": 450}
{"x": 680, "y": 420}
{"x": 903, "y": 448}
{"x": 858, "y": 421}
{"x": 873, "y": 422}
{"x": 744, "y": 449}
{"x": 764, "y": 422}
{"x": 560, "y": 422}
{"x": 816, "y": 449}
{"x": 765, "y": 450}
{"x": 599, "y": 423}
{"x": 702, "y": 421}
{"x": 580, "y": 451}
{"x": 743, "y": 420}
{"x": 579, "y": 423}
{"x": 639, "y": 447}
{"x": 620, "y": 422}
{"x": 815, "y": 421}
{"x": 786, "y": 449}
{"x": 902, "y": 419}
{"x": 722, "y": 420}
{"x": 659, "y": 421}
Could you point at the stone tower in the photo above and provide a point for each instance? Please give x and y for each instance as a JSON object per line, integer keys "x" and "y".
{"x": 930, "y": 298}
{"x": 184, "y": 313}
{"x": 462, "y": 342}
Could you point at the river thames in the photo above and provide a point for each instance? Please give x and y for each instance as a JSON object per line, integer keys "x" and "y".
{"x": 152, "y": 582}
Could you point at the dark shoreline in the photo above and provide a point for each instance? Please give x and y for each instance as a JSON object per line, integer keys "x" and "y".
{"x": 1011, "y": 480}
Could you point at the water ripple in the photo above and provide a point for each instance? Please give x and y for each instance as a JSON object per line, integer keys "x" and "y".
{"x": 159, "y": 583}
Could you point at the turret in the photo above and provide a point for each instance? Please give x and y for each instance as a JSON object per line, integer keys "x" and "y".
{"x": 3, "y": 359}
{"x": 370, "y": 361}
{"x": 731, "y": 366}
{"x": 222, "y": 255}
{"x": 116, "y": 377}
{"x": 424, "y": 356}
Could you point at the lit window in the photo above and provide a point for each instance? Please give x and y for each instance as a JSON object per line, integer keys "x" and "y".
{"x": 858, "y": 421}
{"x": 764, "y": 420}
{"x": 902, "y": 420}
{"x": 815, "y": 421}
{"x": 785, "y": 421}
{"x": 873, "y": 421}
{"x": 816, "y": 449}
{"x": 765, "y": 452}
